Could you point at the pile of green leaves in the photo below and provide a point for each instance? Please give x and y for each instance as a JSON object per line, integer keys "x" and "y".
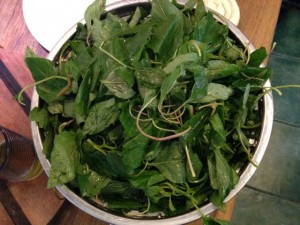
{"x": 152, "y": 112}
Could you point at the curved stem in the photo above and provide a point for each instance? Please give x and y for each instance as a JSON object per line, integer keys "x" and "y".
{"x": 153, "y": 137}
{"x": 65, "y": 124}
{"x": 197, "y": 47}
{"x": 97, "y": 147}
{"x": 212, "y": 105}
{"x": 19, "y": 96}
{"x": 246, "y": 150}
{"x": 66, "y": 88}
{"x": 161, "y": 128}
{"x": 173, "y": 120}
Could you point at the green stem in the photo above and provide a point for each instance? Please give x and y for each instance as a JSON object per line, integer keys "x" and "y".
{"x": 19, "y": 96}
{"x": 65, "y": 124}
{"x": 246, "y": 149}
{"x": 97, "y": 147}
{"x": 189, "y": 161}
{"x": 252, "y": 126}
{"x": 152, "y": 137}
{"x": 276, "y": 88}
{"x": 113, "y": 57}
{"x": 197, "y": 47}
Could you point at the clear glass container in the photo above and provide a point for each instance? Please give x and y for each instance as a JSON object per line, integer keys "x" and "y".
{"x": 18, "y": 160}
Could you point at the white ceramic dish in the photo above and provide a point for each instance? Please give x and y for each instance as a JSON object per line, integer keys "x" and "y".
{"x": 48, "y": 20}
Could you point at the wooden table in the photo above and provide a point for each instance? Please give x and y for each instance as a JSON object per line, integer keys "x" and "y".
{"x": 31, "y": 202}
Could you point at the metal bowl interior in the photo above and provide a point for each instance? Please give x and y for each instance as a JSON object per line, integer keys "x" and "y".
{"x": 121, "y": 8}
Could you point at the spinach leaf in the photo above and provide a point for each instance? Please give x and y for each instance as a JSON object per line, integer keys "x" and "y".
{"x": 93, "y": 13}
{"x": 41, "y": 116}
{"x": 180, "y": 59}
{"x": 200, "y": 87}
{"x": 170, "y": 162}
{"x": 135, "y": 148}
{"x": 50, "y": 83}
{"x": 82, "y": 99}
{"x": 168, "y": 83}
{"x": 101, "y": 116}
{"x": 117, "y": 166}
{"x": 197, "y": 123}
{"x": 215, "y": 92}
{"x": 147, "y": 179}
{"x": 162, "y": 9}
{"x": 209, "y": 31}
{"x": 163, "y": 42}
{"x": 257, "y": 57}
{"x": 151, "y": 77}
{"x": 136, "y": 44}
{"x": 120, "y": 82}
{"x": 222, "y": 177}
{"x": 64, "y": 159}
{"x": 218, "y": 126}
{"x": 91, "y": 184}
{"x": 197, "y": 166}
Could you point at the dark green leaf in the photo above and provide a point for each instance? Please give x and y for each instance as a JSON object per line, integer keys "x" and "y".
{"x": 129, "y": 204}
{"x": 91, "y": 184}
{"x": 93, "y": 13}
{"x": 147, "y": 179}
{"x": 215, "y": 92}
{"x": 136, "y": 45}
{"x": 162, "y": 9}
{"x": 135, "y": 148}
{"x": 218, "y": 126}
{"x": 64, "y": 159}
{"x": 150, "y": 77}
{"x": 163, "y": 42}
{"x": 101, "y": 116}
{"x": 179, "y": 60}
{"x": 209, "y": 31}
{"x": 82, "y": 99}
{"x": 197, "y": 166}
{"x": 48, "y": 143}
{"x": 128, "y": 123}
{"x": 42, "y": 69}
{"x": 120, "y": 189}
{"x": 41, "y": 116}
{"x": 120, "y": 82}
{"x": 170, "y": 162}
{"x": 222, "y": 179}
{"x": 115, "y": 162}
{"x": 196, "y": 123}
{"x": 200, "y": 88}
{"x": 257, "y": 57}
{"x": 168, "y": 84}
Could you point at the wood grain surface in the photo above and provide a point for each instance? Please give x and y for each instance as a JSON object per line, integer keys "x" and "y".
{"x": 14, "y": 34}
{"x": 38, "y": 204}
{"x": 258, "y": 21}
{"x": 5, "y": 218}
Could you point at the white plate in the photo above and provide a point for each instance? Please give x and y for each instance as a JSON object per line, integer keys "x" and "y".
{"x": 227, "y": 8}
{"x": 48, "y": 20}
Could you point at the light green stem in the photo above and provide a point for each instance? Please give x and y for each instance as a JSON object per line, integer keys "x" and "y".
{"x": 19, "y": 96}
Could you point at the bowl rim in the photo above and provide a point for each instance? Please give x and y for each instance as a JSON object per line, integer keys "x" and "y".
{"x": 100, "y": 214}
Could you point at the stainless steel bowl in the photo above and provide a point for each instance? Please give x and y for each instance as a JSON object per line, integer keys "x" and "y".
{"x": 181, "y": 219}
